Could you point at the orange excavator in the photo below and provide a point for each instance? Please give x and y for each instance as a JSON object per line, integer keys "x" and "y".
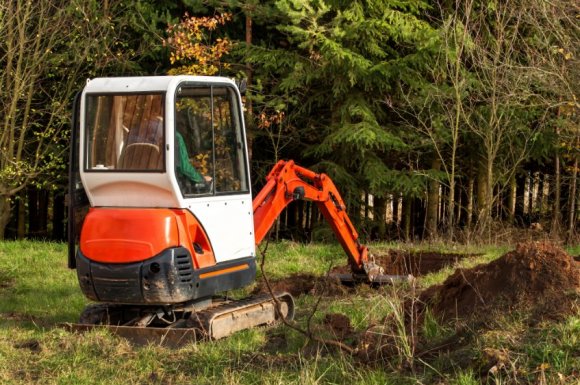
{"x": 161, "y": 215}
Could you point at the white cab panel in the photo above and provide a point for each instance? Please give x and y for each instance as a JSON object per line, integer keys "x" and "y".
{"x": 228, "y": 222}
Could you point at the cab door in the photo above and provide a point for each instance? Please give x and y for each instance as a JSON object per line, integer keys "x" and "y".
{"x": 211, "y": 166}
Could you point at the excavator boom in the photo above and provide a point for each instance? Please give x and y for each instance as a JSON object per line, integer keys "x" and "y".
{"x": 288, "y": 182}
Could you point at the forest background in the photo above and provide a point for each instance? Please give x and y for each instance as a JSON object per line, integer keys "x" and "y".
{"x": 454, "y": 120}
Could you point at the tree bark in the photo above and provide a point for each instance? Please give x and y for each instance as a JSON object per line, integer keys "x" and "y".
{"x": 512, "y": 200}
{"x": 556, "y": 208}
{"x": 21, "y": 232}
{"x": 58, "y": 215}
{"x": 572, "y": 201}
{"x": 407, "y": 219}
{"x": 249, "y": 75}
{"x": 482, "y": 197}
{"x": 43, "y": 202}
{"x": 470, "y": 200}
{"x": 432, "y": 217}
{"x": 33, "y": 222}
{"x": 379, "y": 215}
{"x": 4, "y": 214}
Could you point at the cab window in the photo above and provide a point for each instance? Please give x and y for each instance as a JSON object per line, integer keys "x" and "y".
{"x": 125, "y": 132}
{"x": 210, "y": 148}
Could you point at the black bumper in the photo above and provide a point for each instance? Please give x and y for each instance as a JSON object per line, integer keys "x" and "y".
{"x": 167, "y": 278}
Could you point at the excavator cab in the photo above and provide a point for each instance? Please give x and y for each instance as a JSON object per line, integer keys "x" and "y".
{"x": 163, "y": 162}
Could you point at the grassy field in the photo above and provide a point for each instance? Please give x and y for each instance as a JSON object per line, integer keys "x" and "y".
{"x": 37, "y": 292}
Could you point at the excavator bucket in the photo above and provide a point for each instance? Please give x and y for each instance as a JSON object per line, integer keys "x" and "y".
{"x": 372, "y": 274}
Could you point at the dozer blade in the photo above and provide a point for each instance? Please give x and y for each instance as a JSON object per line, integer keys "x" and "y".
{"x": 140, "y": 335}
{"x": 209, "y": 324}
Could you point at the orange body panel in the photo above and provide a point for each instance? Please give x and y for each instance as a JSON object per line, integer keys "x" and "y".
{"x": 285, "y": 179}
{"x": 125, "y": 235}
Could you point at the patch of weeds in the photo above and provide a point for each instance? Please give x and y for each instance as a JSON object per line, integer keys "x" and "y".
{"x": 557, "y": 347}
{"x": 466, "y": 378}
{"x": 6, "y": 280}
{"x": 432, "y": 330}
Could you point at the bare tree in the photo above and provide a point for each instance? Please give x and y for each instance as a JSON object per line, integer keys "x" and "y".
{"x": 46, "y": 47}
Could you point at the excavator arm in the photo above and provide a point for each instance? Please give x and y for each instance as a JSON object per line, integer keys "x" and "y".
{"x": 288, "y": 182}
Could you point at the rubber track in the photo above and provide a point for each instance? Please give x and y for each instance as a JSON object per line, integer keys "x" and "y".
{"x": 202, "y": 320}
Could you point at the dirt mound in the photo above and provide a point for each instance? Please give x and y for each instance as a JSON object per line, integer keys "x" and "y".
{"x": 536, "y": 276}
{"x": 300, "y": 284}
{"x": 417, "y": 263}
{"x": 339, "y": 325}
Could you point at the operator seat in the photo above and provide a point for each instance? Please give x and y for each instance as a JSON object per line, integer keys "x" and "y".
{"x": 141, "y": 156}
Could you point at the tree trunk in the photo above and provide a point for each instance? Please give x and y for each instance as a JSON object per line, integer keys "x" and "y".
{"x": 482, "y": 211}
{"x": 470, "y": 200}
{"x": 512, "y": 200}
{"x": 21, "y": 232}
{"x": 249, "y": 75}
{"x": 431, "y": 220}
{"x": 379, "y": 216}
{"x": 572, "y": 201}
{"x": 396, "y": 210}
{"x": 542, "y": 196}
{"x": 530, "y": 192}
{"x": 33, "y": 222}
{"x": 4, "y": 214}
{"x": 43, "y": 201}
{"x": 488, "y": 201}
{"x": 58, "y": 215}
{"x": 407, "y": 219}
{"x": 520, "y": 201}
{"x": 556, "y": 209}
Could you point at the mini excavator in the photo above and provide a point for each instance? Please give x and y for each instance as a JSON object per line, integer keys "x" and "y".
{"x": 161, "y": 216}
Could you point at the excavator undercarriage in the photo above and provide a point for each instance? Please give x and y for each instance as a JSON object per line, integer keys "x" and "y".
{"x": 207, "y": 319}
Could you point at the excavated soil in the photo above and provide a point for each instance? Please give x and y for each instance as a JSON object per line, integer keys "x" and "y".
{"x": 339, "y": 325}
{"x": 396, "y": 262}
{"x": 537, "y": 276}
{"x": 537, "y": 279}
{"x": 300, "y": 284}
{"x": 417, "y": 263}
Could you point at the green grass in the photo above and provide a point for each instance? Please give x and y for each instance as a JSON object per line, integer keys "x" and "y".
{"x": 37, "y": 292}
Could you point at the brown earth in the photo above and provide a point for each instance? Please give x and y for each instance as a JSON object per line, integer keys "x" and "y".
{"x": 537, "y": 276}
{"x": 537, "y": 279}
{"x": 339, "y": 325}
{"x": 300, "y": 284}
{"x": 396, "y": 262}
{"x": 417, "y": 263}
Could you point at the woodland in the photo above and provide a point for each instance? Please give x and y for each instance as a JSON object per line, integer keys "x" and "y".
{"x": 437, "y": 119}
